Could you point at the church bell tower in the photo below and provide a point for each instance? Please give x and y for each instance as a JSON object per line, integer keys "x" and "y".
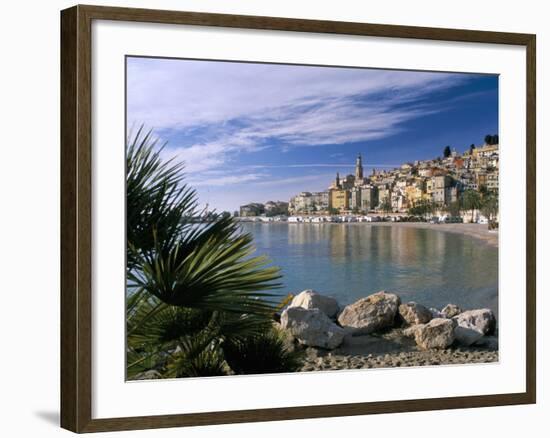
{"x": 358, "y": 168}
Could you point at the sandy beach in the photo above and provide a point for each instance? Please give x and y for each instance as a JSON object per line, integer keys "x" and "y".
{"x": 391, "y": 350}
{"x": 478, "y": 231}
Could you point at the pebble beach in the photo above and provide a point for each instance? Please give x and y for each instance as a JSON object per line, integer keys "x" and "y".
{"x": 376, "y": 356}
{"x": 379, "y": 331}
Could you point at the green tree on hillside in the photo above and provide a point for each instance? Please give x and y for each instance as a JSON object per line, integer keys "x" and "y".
{"x": 454, "y": 208}
{"x": 447, "y": 152}
{"x": 312, "y": 207}
{"x": 489, "y": 209}
{"x": 491, "y": 139}
{"x": 471, "y": 201}
{"x": 386, "y": 206}
{"x": 423, "y": 208}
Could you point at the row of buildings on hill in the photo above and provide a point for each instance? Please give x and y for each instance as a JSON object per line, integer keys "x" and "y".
{"x": 441, "y": 182}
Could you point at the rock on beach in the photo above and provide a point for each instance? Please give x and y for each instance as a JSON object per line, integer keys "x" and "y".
{"x": 379, "y": 330}
{"x": 414, "y": 313}
{"x": 370, "y": 314}
{"x": 481, "y": 320}
{"x": 310, "y": 299}
{"x": 311, "y": 327}
{"x": 437, "y": 334}
{"x": 451, "y": 310}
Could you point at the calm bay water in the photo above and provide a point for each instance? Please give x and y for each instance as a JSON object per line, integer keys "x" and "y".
{"x": 350, "y": 261}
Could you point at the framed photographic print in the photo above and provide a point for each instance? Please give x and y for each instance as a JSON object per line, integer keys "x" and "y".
{"x": 268, "y": 218}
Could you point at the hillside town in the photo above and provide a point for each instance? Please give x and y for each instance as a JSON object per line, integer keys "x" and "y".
{"x": 461, "y": 186}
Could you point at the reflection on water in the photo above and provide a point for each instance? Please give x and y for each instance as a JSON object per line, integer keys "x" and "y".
{"x": 349, "y": 261}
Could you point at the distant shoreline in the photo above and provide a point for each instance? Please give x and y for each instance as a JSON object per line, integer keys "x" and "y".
{"x": 477, "y": 231}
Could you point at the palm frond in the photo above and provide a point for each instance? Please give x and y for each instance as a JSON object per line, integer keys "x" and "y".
{"x": 192, "y": 284}
{"x": 157, "y": 200}
{"x": 268, "y": 352}
{"x": 213, "y": 269}
{"x": 208, "y": 363}
{"x": 140, "y": 361}
{"x": 164, "y": 324}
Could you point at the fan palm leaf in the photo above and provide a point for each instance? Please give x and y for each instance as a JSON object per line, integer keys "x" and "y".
{"x": 192, "y": 283}
{"x": 212, "y": 270}
{"x": 157, "y": 200}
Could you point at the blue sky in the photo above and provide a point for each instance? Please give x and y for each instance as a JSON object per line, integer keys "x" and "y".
{"x": 258, "y": 132}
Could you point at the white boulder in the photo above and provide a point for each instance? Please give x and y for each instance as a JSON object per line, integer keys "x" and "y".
{"x": 310, "y": 299}
{"x": 480, "y": 320}
{"x": 312, "y": 327}
{"x": 370, "y": 314}
{"x": 414, "y": 313}
{"x": 437, "y": 334}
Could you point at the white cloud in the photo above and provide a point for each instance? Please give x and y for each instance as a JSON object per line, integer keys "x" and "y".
{"x": 218, "y": 181}
{"x": 296, "y": 180}
{"x": 241, "y": 176}
{"x": 167, "y": 93}
{"x": 241, "y": 106}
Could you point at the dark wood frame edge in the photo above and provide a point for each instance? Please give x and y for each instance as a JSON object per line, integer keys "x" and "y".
{"x": 76, "y": 341}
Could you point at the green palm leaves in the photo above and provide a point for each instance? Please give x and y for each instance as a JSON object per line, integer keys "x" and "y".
{"x": 193, "y": 282}
{"x": 156, "y": 198}
{"x": 208, "y": 267}
{"x": 266, "y": 353}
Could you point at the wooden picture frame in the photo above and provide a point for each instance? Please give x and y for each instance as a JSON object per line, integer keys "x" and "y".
{"x": 76, "y": 217}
